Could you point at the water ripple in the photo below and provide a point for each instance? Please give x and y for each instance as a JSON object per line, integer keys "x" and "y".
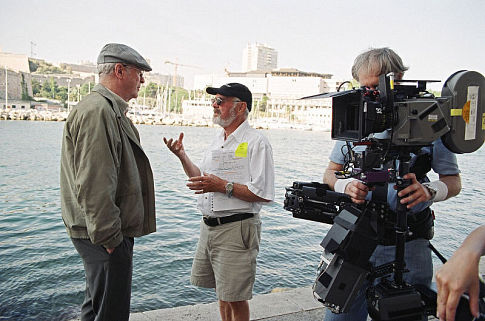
{"x": 41, "y": 275}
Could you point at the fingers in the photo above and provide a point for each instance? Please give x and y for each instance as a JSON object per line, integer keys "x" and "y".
{"x": 473, "y": 295}
{"x": 196, "y": 178}
{"x": 414, "y": 198}
{"x": 206, "y": 183}
{"x": 196, "y": 186}
{"x": 410, "y": 176}
{"x": 451, "y": 304}
{"x": 414, "y": 193}
{"x": 199, "y": 184}
{"x": 175, "y": 146}
{"x": 171, "y": 143}
{"x": 441, "y": 301}
{"x": 357, "y": 191}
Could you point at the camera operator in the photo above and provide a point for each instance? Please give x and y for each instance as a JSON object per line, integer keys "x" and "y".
{"x": 460, "y": 274}
{"x": 418, "y": 196}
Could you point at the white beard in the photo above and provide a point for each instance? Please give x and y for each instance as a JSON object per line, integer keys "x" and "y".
{"x": 216, "y": 119}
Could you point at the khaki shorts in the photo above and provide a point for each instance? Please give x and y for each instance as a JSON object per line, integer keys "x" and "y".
{"x": 225, "y": 258}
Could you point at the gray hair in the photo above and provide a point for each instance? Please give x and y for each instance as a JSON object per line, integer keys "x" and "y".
{"x": 106, "y": 69}
{"x": 378, "y": 61}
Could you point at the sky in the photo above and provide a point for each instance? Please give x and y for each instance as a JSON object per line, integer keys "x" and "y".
{"x": 434, "y": 38}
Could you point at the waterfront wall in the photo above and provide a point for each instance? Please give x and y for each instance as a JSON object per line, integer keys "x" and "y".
{"x": 16, "y": 81}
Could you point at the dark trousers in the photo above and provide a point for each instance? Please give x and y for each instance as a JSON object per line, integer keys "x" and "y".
{"x": 108, "y": 280}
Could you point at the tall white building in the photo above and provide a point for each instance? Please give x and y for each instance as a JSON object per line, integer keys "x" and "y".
{"x": 259, "y": 57}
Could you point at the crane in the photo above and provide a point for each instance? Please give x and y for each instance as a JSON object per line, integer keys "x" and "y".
{"x": 175, "y": 66}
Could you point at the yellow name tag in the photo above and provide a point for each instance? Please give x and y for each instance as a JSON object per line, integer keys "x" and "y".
{"x": 242, "y": 150}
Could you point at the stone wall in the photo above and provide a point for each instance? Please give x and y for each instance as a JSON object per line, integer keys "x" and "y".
{"x": 61, "y": 79}
{"x": 15, "y": 82}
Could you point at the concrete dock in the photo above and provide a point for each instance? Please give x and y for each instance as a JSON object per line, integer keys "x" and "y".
{"x": 286, "y": 305}
{"x": 291, "y": 305}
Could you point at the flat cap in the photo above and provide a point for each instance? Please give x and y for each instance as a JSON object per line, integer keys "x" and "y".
{"x": 117, "y": 52}
{"x": 233, "y": 89}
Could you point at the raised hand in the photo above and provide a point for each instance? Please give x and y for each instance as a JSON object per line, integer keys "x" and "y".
{"x": 175, "y": 146}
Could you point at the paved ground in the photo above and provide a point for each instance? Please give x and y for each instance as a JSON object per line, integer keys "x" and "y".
{"x": 291, "y": 305}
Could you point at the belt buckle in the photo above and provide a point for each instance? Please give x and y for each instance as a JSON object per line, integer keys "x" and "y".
{"x": 211, "y": 221}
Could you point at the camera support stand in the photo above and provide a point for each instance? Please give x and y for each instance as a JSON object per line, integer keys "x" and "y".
{"x": 397, "y": 300}
{"x": 401, "y": 219}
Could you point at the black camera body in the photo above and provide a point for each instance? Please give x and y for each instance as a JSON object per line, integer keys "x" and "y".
{"x": 344, "y": 267}
{"x": 392, "y": 122}
{"x": 413, "y": 116}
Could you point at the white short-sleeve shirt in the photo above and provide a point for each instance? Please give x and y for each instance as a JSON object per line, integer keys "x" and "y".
{"x": 257, "y": 150}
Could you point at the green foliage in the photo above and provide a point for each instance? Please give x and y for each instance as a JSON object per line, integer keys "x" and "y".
{"x": 25, "y": 91}
{"x": 86, "y": 88}
{"x": 149, "y": 90}
{"x": 264, "y": 103}
{"x": 148, "y": 96}
{"x": 36, "y": 88}
{"x": 177, "y": 95}
{"x": 42, "y": 67}
{"x": 49, "y": 89}
{"x": 33, "y": 66}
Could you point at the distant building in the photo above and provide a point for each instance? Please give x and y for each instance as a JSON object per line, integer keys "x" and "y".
{"x": 278, "y": 84}
{"x": 163, "y": 80}
{"x": 16, "y": 104}
{"x": 259, "y": 57}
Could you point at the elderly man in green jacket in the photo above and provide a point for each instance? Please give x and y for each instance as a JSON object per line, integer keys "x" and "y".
{"x": 107, "y": 190}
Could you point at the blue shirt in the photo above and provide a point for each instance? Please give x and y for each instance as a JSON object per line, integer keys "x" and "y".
{"x": 443, "y": 162}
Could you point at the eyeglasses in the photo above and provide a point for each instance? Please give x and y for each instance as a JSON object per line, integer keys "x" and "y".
{"x": 218, "y": 101}
{"x": 141, "y": 73}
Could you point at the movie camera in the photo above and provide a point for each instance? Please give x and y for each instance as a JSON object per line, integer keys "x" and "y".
{"x": 385, "y": 126}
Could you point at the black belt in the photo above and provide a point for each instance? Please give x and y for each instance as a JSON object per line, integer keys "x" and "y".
{"x": 214, "y": 221}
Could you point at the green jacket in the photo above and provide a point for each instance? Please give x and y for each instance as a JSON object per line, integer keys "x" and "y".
{"x": 107, "y": 187}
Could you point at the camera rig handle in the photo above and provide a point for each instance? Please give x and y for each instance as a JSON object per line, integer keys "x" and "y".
{"x": 401, "y": 221}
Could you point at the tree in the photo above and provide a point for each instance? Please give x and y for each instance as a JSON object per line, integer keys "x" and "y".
{"x": 264, "y": 103}
{"x": 33, "y": 66}
{"x": 53, "y": 86}
{"x": 61, "y": 94}
{"x": 36, "y": 88}
{"x": 177, "y": 96}
{"x": 86, "y": 88}
{"x": 149, "y": 90}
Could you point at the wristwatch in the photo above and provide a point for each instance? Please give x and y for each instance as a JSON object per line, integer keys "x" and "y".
{"x": 229, "y": 189}
{"x": 431, "y": 189}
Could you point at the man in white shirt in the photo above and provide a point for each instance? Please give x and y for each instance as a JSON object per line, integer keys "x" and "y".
{"x": 234, "y": 179}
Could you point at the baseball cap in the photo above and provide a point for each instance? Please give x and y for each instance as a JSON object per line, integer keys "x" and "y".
{"x": 233, "y": 89}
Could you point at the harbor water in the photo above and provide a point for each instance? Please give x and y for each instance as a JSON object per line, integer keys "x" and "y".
{"x": 41, "y": 275}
